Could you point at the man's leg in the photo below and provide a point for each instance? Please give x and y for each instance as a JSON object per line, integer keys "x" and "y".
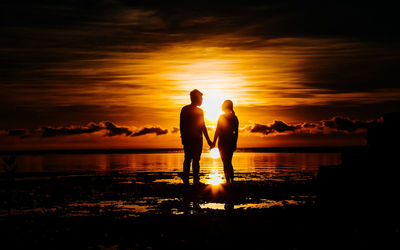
{"x": 186, "y": 166}
{"x": 196, "y": 169}
{"x": 196, "y": 165}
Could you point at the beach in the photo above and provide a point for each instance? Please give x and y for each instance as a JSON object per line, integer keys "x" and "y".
{"x": 155, "y": 210}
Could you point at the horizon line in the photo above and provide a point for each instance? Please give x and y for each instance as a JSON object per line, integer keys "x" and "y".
{"x": 317, "y": 149}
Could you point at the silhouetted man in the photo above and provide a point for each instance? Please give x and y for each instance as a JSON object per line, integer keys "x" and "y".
{"x": 192, "y": 128}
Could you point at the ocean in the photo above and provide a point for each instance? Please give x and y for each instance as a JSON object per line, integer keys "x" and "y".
{"x": 259, "y": 165}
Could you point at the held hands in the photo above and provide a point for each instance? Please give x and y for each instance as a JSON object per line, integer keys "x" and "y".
{"x": 211, "y": 144}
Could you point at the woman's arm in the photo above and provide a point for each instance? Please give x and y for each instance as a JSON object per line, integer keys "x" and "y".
{"x": 216, "y": 135}
{"x": 236, "y": 132}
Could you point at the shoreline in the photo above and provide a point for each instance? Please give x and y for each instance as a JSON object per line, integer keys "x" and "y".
{"x": 179, "y": 150}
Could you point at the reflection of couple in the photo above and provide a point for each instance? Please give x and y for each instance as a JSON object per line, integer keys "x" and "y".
{"x": 192, "y": 128}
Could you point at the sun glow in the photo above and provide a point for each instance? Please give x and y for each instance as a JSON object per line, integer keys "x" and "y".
{"x": 215, "y": 178}
{"x": 218, "y": 79}
{"x": 214, "y": 153}
{"x": 212, "y": 106}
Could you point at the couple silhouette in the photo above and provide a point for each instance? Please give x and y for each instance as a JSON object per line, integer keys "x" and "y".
{"x": 192, "y": 127}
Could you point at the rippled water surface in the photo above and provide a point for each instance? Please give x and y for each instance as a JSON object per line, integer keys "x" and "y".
{"x": 262, "y": 165}
{"x": 135, "y": 184}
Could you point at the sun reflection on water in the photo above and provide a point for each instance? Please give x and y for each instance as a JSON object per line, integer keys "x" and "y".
{"x": 214, "y": 178}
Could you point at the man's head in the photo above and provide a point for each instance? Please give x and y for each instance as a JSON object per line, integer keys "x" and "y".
{"x": 227, "y": 106}
{"x": 196, "y": 97}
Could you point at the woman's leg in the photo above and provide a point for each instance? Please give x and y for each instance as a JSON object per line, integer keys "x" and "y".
{"x": 226, "y": 157}
{"x": 230, "y": 166}
{"x": 224, "y": 161}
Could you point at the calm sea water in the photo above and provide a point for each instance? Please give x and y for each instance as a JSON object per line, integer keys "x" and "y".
{"x": 265, "y": 165}
{"x": 162, "y": 168}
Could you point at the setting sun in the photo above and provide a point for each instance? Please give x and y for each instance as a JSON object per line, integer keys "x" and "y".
{"x": 212, "y": 106}
{"x": 214, "y": 153}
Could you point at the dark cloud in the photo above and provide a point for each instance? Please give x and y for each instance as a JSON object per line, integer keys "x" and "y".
{"x": 64, "y": 131}
{"x": 333, "y": 126}
{"x": 17, "y": 132}
{"x": 310, "y": 125}
{"x": 259, "y": 128}
{"x": 152, "y": 130}
{"x": 277, "y": 126}
{"x": 280, "y": 127}
{"x": 109, "y": 129}
{"x": 346, "y": 124}
{"x": 113, "y": 129}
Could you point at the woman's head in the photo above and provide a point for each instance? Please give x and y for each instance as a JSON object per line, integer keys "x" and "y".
{"x": 227, "y": 106}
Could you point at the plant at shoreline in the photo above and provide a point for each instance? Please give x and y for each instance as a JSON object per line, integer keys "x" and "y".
{"x": 10, "y": 166}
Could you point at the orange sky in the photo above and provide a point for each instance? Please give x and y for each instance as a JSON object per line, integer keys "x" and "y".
{"x": 134, "y": 66}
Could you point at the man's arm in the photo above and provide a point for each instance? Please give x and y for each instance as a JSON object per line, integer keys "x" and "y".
{"x": 204, "y": 129}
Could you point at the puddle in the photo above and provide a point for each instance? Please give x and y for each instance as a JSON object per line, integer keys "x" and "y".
{"x": 263, "y": 203}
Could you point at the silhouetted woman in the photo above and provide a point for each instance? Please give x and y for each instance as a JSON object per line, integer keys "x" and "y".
{"x": 227, "y": 135}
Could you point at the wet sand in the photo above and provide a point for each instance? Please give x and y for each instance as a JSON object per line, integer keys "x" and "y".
{"x": 156, "y": 211}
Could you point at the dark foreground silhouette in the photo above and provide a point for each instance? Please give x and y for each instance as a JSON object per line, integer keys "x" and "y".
{"x": 192, "y": 128}
{"x": 90, "y": 210}
{"x": 227, "y": 133}
{"x": 65, "y": 210}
